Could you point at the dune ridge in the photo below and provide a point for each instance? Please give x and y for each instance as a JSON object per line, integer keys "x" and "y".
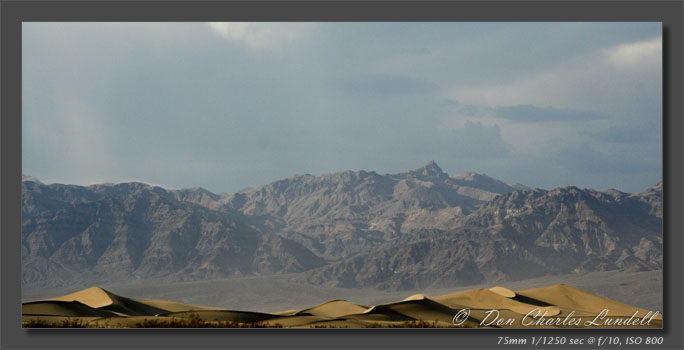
{"x": 494, "y": 307}
{"x": 571, "y": 298}
{"x": 99, "y": 298}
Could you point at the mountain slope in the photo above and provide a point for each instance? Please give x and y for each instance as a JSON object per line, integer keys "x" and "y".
{"x": 336, "y": 215}
{"x": 137, "y": 231}
{"x": 522, "y": 234}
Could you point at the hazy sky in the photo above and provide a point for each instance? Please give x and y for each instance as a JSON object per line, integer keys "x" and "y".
{"x": 230, "y": 105}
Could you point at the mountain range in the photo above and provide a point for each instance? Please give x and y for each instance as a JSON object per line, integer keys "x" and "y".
{"x": 416, "y": 229}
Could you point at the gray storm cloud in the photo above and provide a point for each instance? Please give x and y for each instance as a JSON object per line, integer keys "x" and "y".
{"x": 231, "y": 105}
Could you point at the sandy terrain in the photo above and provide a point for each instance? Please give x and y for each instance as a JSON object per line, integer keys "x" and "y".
{"x": 557, "y": 305}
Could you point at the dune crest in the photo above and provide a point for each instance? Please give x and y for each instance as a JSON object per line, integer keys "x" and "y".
{"x": 415, "y": 297}
{"x": 504, "y": 292}
{"x": 94, "y": 297}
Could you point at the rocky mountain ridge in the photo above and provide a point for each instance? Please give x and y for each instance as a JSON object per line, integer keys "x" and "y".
{"x": 393, "y": 231}
{"x": 515, "y": 236}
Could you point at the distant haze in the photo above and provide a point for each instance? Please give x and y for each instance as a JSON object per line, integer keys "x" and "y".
{"x": 227, "y": 106}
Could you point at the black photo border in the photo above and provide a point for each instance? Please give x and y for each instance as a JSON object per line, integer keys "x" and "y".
{"x": 13, "y": 13}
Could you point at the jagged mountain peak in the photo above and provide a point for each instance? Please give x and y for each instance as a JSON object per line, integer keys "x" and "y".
{"x": 30, "y": 178}
{"x": 484, "y": 182}
{"x": 658, "y": 187}
{"x": 654, "y": 197}
{"x": 429, "y": 170}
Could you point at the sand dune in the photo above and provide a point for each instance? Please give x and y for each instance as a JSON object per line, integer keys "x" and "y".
{"x": 173, "y": 306}
{"x": 418, "y": 309}
{"x": 415, "y": 297}
{"x": 494, "y": 307}
{"x": 94, "y": 297}
{"x": 504, "y": 292}
{"x": 286, "y": 312}
{"x": 62, "y": 308}
{"x": 486, "y": 299}
{"x": 99, "y": 298}
{"x": 334, "y": 309}
{"x": 571, "y": 298}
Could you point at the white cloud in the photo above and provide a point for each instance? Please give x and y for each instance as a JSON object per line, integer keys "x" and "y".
{"x": 632, "y": 55}
{"x": 262, "y": 35}
{"x": 604, "y": 81}
{"x": 622, "y": 83}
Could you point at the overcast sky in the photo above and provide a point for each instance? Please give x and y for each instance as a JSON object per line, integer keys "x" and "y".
{"x": 226, "y": 106}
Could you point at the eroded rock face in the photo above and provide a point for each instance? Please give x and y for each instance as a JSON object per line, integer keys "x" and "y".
{"x": 135, "y": 231}
{"x": 392, "y": 231}
{"x": 517, "y": 235}
{"x": 337, "y": 215}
